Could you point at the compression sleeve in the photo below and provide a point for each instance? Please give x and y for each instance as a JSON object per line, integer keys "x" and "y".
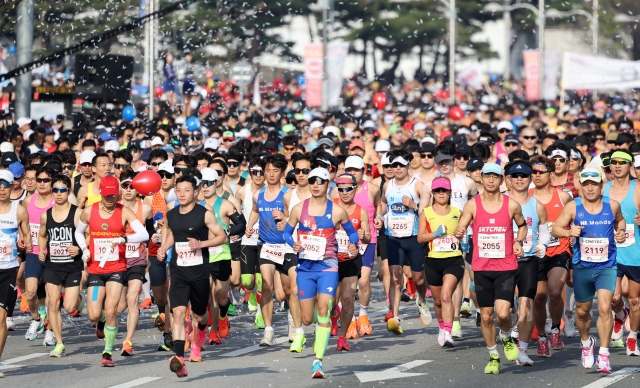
{"x": 239, "y": 224}
{"x": 148, "y": 224}
{"x": 140, "y": 234}
{"x": 288, "y": 235}
{"x": 544, "y": 237}
{"x": 79, "y": 234}
{"x": 351, "y": 231}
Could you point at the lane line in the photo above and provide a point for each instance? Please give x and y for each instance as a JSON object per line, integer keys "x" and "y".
{"x": 613, "y": 378}
{"x": 136, "y": 382}
{"x": 22, "y": 358}
{"x": 240, "y": 352}
{"x": 5, "y": 367}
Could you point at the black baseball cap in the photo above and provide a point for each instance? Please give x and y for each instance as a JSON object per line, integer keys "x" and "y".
{"x": 582, "y": 140}
{"x": 463, "y": 149}
{"x": 427, "y": 147}
{"x": 475, "y": 164}
{"x": 8, "y": 158}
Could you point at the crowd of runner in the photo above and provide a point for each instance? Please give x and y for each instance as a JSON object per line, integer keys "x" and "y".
{"x": 519, "y": 212}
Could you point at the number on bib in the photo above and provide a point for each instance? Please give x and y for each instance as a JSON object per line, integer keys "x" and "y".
{"x": 446, "y": 244}
{"x": 59, "y": 251}
{"x": 401, "y": 226}
{"x": 554, "y": 242}
{"x": 630, "y": 236}
{"x": 273, "y": 252}
{"x": 104, "y": 252}
{"x": 188, "y": 257}
{"x": 527, "y": 244}
{"x": 313, "y": 247}
{"x": 594, "y": 250}
{"x": 6, "y": 250}
{"x": 35, "y": 232}
{"x": 132, "y": 251}
{"x": 343, "y": 241}
{"x": 491, "y": 246}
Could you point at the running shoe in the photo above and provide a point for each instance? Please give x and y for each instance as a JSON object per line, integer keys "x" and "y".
{"x": 604, "y": 366}
{"x": 423, "y": 311}
{"x": 523, "y": 359}
{"x": 465, "y": 310}
{"x": 268, "y": 339}
{"x": 232, "y": 310}
{"x": 543, "y": 347}
{"x": 510, "y": 349}
{"x": 194, "y": 355}
{"x": 632, "y": 347}
{"x": 556, "y": 340}
{"x": 292, "y": 330}
{"x": 100, "y": 329}
{"x": 441, "y": 337}
{"x": 127, "y": 349}
{"x": 478, "y": 319}
{"x": 619, "y": 343}
{"x": 393, "y": 325}
{"x": 363, "y": 325}
{"x": 388, "y": 316}
{"x": 456, "y": 330}
{"x": 569, "y": 325}
{"x": 146, "y": 304}
{"x": 252, "y": 303}
{"x": 163, "y": 346}
{"x": 58, "y": 351}
{"x": 618, "y": 325}
{"x": 49, "y": 338}
{"x": 493, "y": 366}
{"x": 10, "y": 325}
{"x": 428, "y": 293}
{"x": 107, "y": 361}
{"x": 224, "y": 326}
{"x": 534, "y": 334}
{"x": 316, "y": 370}
{"x": 34, "y": 328}
{"x": 24, "y": 304}
{"x": 178, "y": 366}
{"x": 588, "y": 358}
{"x": 334, "y": 325}
{"x": 214, "y": 338}
{"x": 448, "y": 340}
{"x": 352, "y": 331}
{"x": 158, "y": 321}
{"x": 343, "y": 345}
{"x": 405, "y": 296}
{"x": 298, "y": 343}
{"x": 547, "y": 326}
{"x": 515, "y": 334}
{"x": 259, "y": 322}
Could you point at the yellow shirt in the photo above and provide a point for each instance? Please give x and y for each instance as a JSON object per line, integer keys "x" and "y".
{"x": 91, "y": 196}
{"x": 447, "y": 245}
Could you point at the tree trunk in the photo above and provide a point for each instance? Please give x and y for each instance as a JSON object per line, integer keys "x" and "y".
{"x": 635, "y": 49}
{"x": 364, "y": 58}
{"x": 375, "y": 65}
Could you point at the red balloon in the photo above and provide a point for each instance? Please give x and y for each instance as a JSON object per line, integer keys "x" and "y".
{"x": 456, "y": 113}
{"x": 158, "y": 91}
{"x": 147, "y": 183}
{"x": 380, "y": 100}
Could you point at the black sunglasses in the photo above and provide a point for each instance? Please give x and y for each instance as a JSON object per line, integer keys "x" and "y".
{"x": 398, "y": 164}
{"x": 304, "y": 171}
{"x": 155, "y": 164}
{"x": 518, "y": 175}
{"x": 257, "y": 172}
{"x": 346, "y": 189}
{"x": 121, "y": 166}
{"x": 426, "y": 156}
{"x": 207, "y": 183}
{"x": 291, "y": 181}
{"x": 181, "y": 170}
{"x": 165, "y": 175}
{"x": 440, "y": 190}
{"x": 220, "y": 173}
{"x": 318, "y": 181}
{"x": 504, "y": 130}
{"x": 530, "y": 137}
{"x": 463, "y": 156}
{"x": 43, "y": 180}
{"x": 68, "y": 167}
{"x": 387, "y": 165}
{"x": 233, "y": 164}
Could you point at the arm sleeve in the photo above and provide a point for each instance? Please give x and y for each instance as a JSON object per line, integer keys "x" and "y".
{"x": 239, "y": 224}
{"x": 140, "y": 235}
{"x": 544, "y": 237}
{"x": 79, "y": 234}
{"x": 288, "y": 235}
{"x": 351, "y": 231}
{"x": 148, "y": 224}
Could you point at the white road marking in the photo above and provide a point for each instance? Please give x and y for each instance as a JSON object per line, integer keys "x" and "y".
{"x": 391, "y": 373}
{"x": 613, "y": 378}
{"x": 136, "y": 382}
{"x": 253, "y": 348}
{"x": 22, "y": 358}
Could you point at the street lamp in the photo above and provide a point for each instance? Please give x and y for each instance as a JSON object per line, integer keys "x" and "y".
{"x": 452, "y": 14}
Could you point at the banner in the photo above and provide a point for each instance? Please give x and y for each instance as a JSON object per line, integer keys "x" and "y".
{"x": 338, "y": 52}
{"x": 587, "y": 72}
{"x": 531, "y": 75}
{"x": 551, "y": 67}
{"x": 472, "y": 76}
{"x": 313, "y": 65}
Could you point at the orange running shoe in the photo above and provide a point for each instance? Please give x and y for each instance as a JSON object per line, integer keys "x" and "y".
{"x": 146, "y": 304}
{"x": 364, "y": 326}
{"x": 178, "y": 366}
{"x": 352, "y": 331}
{"x": 214, "y": 338}
{"x": 388, "y": 316}
{"x": 127, "y": 349}
{"x": 534, "y": 334}
{"x": 224, "y": 326}
{"x": 24, "y": 304}
{"x": 343, "y": 345}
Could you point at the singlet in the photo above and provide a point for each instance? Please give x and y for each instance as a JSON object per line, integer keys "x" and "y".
{"x": 268, "y": 231}
{"x": 317, "y": 235}
{"x": 21, "y": 197}
{"x": 448, "y": 245}
{"x": 234, "y": 186}
{"x": 247, "y": 204}
{"x": 459, "y": 192}
{"x": 568, "y": 186}
{"x": 105, "y": 259}
{"x": 493, "y": 239}
{"x": 136, "y": 253}
{"x": 76, "y": 184}
{"x": 91, "y": 196}
{"x": 628, "y": 252}
{"x": 343, "y": 238}
{"x": 61, "y": 236}
{"x": 34, "y": 219}
{"x": 362, "y": 199}
{"x": 596, "y": 246}
{"x": 186, "y": 263}
{"x": 221, "y": 252}
{"x": 158, "y": 205}
{"x": 554, "y": 208}
{"x": 400, "y": 220}
{"x": 293, "y": 201}
{"x": 9, "y": 238}
{"x": 530, "y": 213}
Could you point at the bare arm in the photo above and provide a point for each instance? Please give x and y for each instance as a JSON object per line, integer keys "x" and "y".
{"x": 466, "y": 218}
{"x": 564, "y": 220}
{"x": 43, "y": 237}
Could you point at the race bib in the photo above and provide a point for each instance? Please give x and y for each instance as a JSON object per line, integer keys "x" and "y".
{"x": 401, "y": 226}
{"x": 343, "y": 241}
{"x": 630, "y": 236}
{"x": 215, "y": 250}
{"x": 35, "y": 232}
{"x": 103, "y": 251}
{"x": 446, "y": 244}
{"x": 491, "y": 246}
{"x": 255, "y": 234}
{"x": 6, "y": 250}
{"x": 594, "y": 250}
{"x": 273, "y": 252}
{"x": 188, "y": 257}
{"x": 132, "y": 251}
{"x": 59, "y": 251}
{"x": 313, "y": 247}
{"x": 527, "y": 244}
{"x": 554, "y": 242}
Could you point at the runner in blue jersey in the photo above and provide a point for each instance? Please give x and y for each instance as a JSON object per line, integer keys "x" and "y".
{"x": 599, "y": 225}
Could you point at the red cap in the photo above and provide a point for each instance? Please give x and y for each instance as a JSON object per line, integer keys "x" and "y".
{"x": 109, "y": 185}
{"x": 356, "y": 143}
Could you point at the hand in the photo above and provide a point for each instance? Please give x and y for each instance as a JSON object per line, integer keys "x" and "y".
{"x": 28, "y": 246}
{"x": 193, "y": 243}
{"x": 280, "y": 226}
{"x": 234, "y": 238}
{"x": 73, "y": 250}
{"x": 408, "y": 202}
{"x": 440, "y": 231}
{"x": 576, "y": 230}
{"x": 353, "y": 250}
{"x": 636, "y": 218}
{"x": 360, "y": 234}
{"x": 297, "y": 246}
{"x": 540, "y": 251}
{"x": 248, "y": 232}
{"x": 155, "y": 238}
{"x": 161, "y": 254}
{"x": 21, "y": 244}
{"x": 377, "y": 223}
{"x": 160, "y": 224}
{"x": 517, "y": 249}
{"x": 277, "y": 215}
{"x": 620, "y": 236}
{"x": 117, "y": 241}
{"x": 460, "y": 231}
{"x": 85, "y": 255}
{"x": 42, "y": 256}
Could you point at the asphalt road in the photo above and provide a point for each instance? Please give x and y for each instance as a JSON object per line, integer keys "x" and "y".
{"x": 239, "y": 362}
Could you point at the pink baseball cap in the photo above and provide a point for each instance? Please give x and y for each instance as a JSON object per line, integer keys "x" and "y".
{"x": 441, "y": 183}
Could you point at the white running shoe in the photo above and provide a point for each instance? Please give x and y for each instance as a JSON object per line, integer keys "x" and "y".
{"x": 292, "y": 331}
{"x": 569, "y": 325}
{"x": 515, "y": 334}
{"x": 49, "y": 338}
{"x": 268, "y": 339}
{"x": 632, "y": 347}
{"x": 618, "y": 326}
{"x": 523, "y": 359}
{"x": 604, "y": 365}
{"x": 441, "y": 337}
{"x": 32, "y": 331}
{"x": 588, "y": 357}
{"x": 10, "y": 325}
{"x": 448, "y": 340}
{"x": 423, "y": 311}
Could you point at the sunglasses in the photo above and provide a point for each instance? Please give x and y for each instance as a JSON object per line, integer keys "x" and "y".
{"x": 55, "y": 190}
{"x": 155, "y": 164}
{"x": 207, "y": 183}
{"x": 510, "y": 144}
{"x": 318, "y": 181}
{"x": 398, "y": 164}
{"x": 125, "y": 185}
{"x": 346, "y": 189}
{"x": 619, "y": 162}
{"x": 462, "y": 156}
{"x": 426, "y": 156}
{"x": 134, "y": 150}
{"x": 68, "y": 167}
{"x": 539, "y": 172}
{"x": 291, "y": 181}
{"x": 5, "y": 184}
{"x": 86, "y": 164}
{"x": 589, "y": 174}
{"x": 530, "y": 137}
{"x": 561, "y": 160}
{"x": 233, "y": 164}
{"x": 121, "y": 166}
{"x": 387, "y": 166}
{"x": 290, "y": 149}
{"x": 611, "y": 142}
{"x": 43, "y": 180}
{"x": 599, "y": 138}
{"x": 504, "y": 130}
{"x": 113, "y": 152}
{"x": 516, "y": 176}
{"x": 220, "y": 173}
{"x": 304, "y": 171}
{"x": 257, "y": 172}
{"x": 440, "y": 190}
{"x": 181, "y": 170}
{"x": 209, "y": 150}
{"x": 165, "y": 175}
{"x": 356, "y": 137}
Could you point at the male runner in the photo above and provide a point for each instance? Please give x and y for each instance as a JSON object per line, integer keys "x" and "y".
{"x": 86, "y": 171}
{"x": 101, "y": 167}
{"x": 234, "y": 178}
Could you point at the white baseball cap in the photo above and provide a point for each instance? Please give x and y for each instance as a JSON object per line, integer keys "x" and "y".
{"x": 6, "y": 175}
{"x": 560, "y": 153}
{"x": 22, "y": 121}
{"x": 354, "y": 161}
{"x": 6, "y": 147}
{"x": 382, "y": 146}
{"x": 428, "y": 139}
{"x": 315, "y": 124}
{"x": 166, "y": 166}
{"x": 211, "y": 143}
{"x": 112, "y": 145}
{"x": 369, "y": 124}
{"x": 636, "y": 161}
{"x": 388, "y": 119}
{"x": 209, "y": 174}
{"x": 244, "y": 133}
{"x": 87, "y": 156}
{"x": 505, "y": 125}
{"x": 331, "y": 129}
{"x": 419, "y": 126}
{"x": 157, "y": 141}
{"x": 320, "y": 173}
{"x": 385, "y": 159}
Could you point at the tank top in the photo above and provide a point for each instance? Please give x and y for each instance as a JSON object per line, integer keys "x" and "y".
{"x": 493, "y": 239}
{"x": 628, "y": 253}
{"x": 317, "y": 235}
{"x": 293, "y": 201}
{"x": 400, "y": 220}
{"x": 362, "y": 199}
{"x": 61, "y": 236}
{"x": 221, "y": 252}
{"x": 76, "y": 184}
{"x": 105, "y": 259}
{"x": 188, "y": 264}
{"x": 9, "y": 238}
{"x": 343, "y": 238}
{"x": 158, "y": 205}
{"x": 247, "y": 205}
{"x": 136, "y": 253}
{"x": 554, "y": 208}
{"x": 35, "y": 213}
{"x": 21, "y": 197}
{"x": 91, "y": 196}
{"x": 268, "y": 231}
{"x": 530, "y": 213}
{"x": 459, "y": 192}
{"x": 447, "y": 245}
{"x": 596, "y": 246}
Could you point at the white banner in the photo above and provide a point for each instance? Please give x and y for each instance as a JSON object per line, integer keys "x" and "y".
{"x": 338, "y": 52}
{"x": 587, "y": 72}
{"x": 472, "y": 76}
{"x": 551, "y": 67}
